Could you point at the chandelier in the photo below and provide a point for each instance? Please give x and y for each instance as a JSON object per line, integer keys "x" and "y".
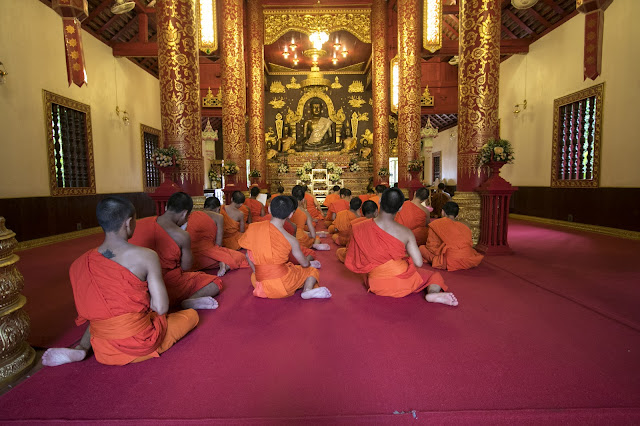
{"x": 318, "y": 38}
{"x": 208, "y": 24}
{"x": 315, "y": 52}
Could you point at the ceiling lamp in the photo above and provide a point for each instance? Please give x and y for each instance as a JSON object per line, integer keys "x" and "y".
{"x": 318, "y": 38}
{"x": 208, "y": 25}
{"x": 335, "y": 59}
{"x": 293, "y": 45}
{"x": 523, "y": 4}
{"x": 286, "y": 52}
{"x": 295, "y": 59}
{"x": 395, "y": 84}
{"x": 345, "y": 52}
{"x": 432, "y": 25}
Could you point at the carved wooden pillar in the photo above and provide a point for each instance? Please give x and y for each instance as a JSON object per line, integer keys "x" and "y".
{"x": 178, "y": 63}
{"x": 234, "y": 91}
{"x": 409, "y": 93}
{"x": 380, "y": 72}
{"x": 478, "y": 76}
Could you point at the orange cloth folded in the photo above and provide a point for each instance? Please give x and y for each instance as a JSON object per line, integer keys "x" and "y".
{"x": 334, "y": 196}
{"x": 449, "y": 246}
{"x": 375, "y": 199}
{"x": 341, "y": 253}
{"x": 415, "y": 219}
{"x": 342, "y": 225}
{"x": 231, "y": 231}
{"x": 299, "y": 219}
{"x": 206, "y": 254}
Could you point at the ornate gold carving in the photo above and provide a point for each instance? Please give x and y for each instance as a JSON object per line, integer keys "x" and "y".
{"x": 363, "y": 117}
{"x": 367, "y": 137}
{"x": 39, "y": 242}
{"x": 279, "y": 125}
{"x": 394, "y": 123}
{"x": 51, "y": 98}
{"x": 336, "y": 84}
{"x": 380, "y": 84}
{"x": 469, "y": 203}
{"x": 279, "y": 70}
{"x": 315, "y": 92}
{"x": 277, "y": 103}
{"x": 294, "y": 84}
{"x": 257, "y": 147}
{"x": 426, "y": 100}
{"x": 356, "y": 101}
{"x": 276, "y": 87}
{"x": 356, "y": 87}
{"x": 371, "y": 101}
{"x": 432, "y": 14}
{"x": 292, "y": 118}
{"x": 354, "y": 124}
{"x": 279, "y": 22}
{"x": 393, "y": 148}
{"x": 211, "y": 101}
{"x": 353, "y": 68}
{"x": 613, "y": 232}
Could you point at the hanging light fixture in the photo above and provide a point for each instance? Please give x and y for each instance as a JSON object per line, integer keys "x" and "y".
{"x": 286, "y": 52}
{"x": 337, "y": 44}
{"x": 293, "y": 45}
{"x": 395, "y": 84}
{"x": 318, "y": 38}
{"x": 345, "y": 52}
{"x": 334, "y": 59}
{"x": 208, "y": 26}
{"x": 295, "y": 59}
{"x": 432, "y": 25}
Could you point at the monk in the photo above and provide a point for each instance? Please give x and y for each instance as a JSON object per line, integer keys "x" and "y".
{"x": 313, "y": 206}
{"x": 449, "y": 245}
{"x": 268, "y": 246}
{"x": 234, "y": 221}
{"x": 379, "y": 249}
{"x": 379, "y": 190}
{"x": 337, "y": 206}
{"x": 300, "y": 218}
{"x": 173, "y": 245}
{"x": 438, "y": 200}
{"x": 255, "y": 207}
{"x": 342, "y": 224}
{"x": 369, "y": 210}
{"x": 415, "y": 216}
{"x": 307, "y": 252}
{"x": 118, "y": 288}
{"x": 206, "y": 231}
{"x": 367, "y": 196}
{"x": 334, "y": 195}
{"x": 279, "y": 191}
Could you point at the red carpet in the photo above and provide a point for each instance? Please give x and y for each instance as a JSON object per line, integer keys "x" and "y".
{"x": 518, "y": 349}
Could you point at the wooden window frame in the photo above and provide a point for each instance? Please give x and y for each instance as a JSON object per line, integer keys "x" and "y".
{"x": 435, "y": 155}
{"x": 152, "y": 130}
{"x": 50, "y": 98}
{"x": 594, "y": 182}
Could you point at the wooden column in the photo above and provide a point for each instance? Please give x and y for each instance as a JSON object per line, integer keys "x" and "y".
{"x": 380, "y": 72}
{"x": 179, "y": 68}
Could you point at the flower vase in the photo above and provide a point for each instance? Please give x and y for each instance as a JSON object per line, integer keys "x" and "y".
{"x": 414, "y": 174}
{"x": 254, "y": 180}
{"x": 495, "y": 167}
{"x": 230, "y": 179}
{"x": 167, "y": 173}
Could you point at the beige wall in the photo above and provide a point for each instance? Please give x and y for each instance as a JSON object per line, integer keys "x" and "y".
{"x": 554, "y": 68}
{"x": 447, "y": 144}
{"x": 34, "y": 58}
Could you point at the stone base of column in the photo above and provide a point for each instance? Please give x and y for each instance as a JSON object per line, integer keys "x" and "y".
{"x": 469, "y": 203}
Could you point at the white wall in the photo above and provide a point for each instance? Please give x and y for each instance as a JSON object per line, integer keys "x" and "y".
{"x": 447, "y": 144}
{"x": 32, "y": 50}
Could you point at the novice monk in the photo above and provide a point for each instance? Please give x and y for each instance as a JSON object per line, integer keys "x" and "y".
{"x": 268, "y": 246}
{"x": 334, "y": 195}
{"x": 279, "y": 191}
{"x": 449, "y": 245}
{"x": 337, "y": 206}
{"x": 118, "y": 287}
{"x": 367, "y": 196}
{"x": 379, "y": 190}
{"x": 415, "y": 216}
{"x": 300, "y": 218}
{"x": 379, "y": 249}
{"x": 206, "y": 230}
{"x": 439, "y": 199}
{"x": 313, "y": 206}
{"x": 369, "y": 211}
{"x": 255, "y": 207}
{"x": 173, "y": 245}
{"x": 234, "y": 221}
{"x": 342, "y": 224}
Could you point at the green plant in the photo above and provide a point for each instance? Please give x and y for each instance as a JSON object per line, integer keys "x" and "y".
{"x": 230, "y": 168}
{"x": 255, "y": 173}
{"x": 496, "y": 150}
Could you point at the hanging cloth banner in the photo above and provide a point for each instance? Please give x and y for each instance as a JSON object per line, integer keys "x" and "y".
{"x": 593, "y": 34}
{"x": 73, "y": 12}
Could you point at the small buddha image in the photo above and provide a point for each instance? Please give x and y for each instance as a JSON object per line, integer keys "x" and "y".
{"x": 349, "y": 142}
{"x": 288, "y": 142}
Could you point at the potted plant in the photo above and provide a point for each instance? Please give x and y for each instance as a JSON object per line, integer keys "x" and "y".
{"x": 167, "y": 160}
{"x": 334, "y": 178}
{"x": 283, "y": 168}
{"x": 414, "y": 167}
{"x": 495, "y": 154}
{"x": 254, "y": 176}
{"x": 230, "y": 168}
{"x": 384, "y": 174}
{"x": 354, "y": 166}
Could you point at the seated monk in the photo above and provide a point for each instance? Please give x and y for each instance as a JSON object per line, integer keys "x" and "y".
{"x": 308, "y": 253}
{"x": 165, "y": 236}
{"x": 415, "y": 216}
{"x": 438, "y": 200}
{"x": 255, "y": 207}
{"x": 279, "y": 191}
{"x": 206, "y": 231}
{"x": 379, "y": 190}
{"x": 313, "y": 206}
{"x": 300, "y": 218}
{"x": 337, "y": 206}
{"x": 342, "y": 224}
{"x": 268, "y": 246}
{"x": 369, "y": 211}
{"x": 334, "y": 195}
{"x": 367, "y": 196}
{"x": 379, "y": 249}
{"x": 234, "y": 221}
{"x": 449, "y": 245}
{"x": 118, "y": 288}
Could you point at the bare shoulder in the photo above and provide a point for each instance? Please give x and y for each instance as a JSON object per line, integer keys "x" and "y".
{"x": 401, "y": 232}
{"x": 141, "y": 254}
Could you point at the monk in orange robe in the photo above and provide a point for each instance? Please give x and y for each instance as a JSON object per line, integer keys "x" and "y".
{"x": 118, "y": 287}
{"x": 255, "y": 207}
{"x": 379, "y": 190}
{"x": 300, "y": 218}
{"x": 379, "y": 249}
{"x": 369, "y": 210}
{"x": 206, "y": 230}
{"x": 308, "y": 253}
{"x": 279, "y": 191}
{"x": 449, "y": 245}
{"x": 234, "y": 221}
{"x": 313, "y": 207}
{"x": 337, "y": 206}
{"x": 367, "y": 196}
{"x": 173, "y": 245}
{"x": 438, "y": 200}
{"x": 415, "y": 216}
{"x": 334, "y": 195}
{"x": 268, "y": 246}
{"x": 342, "y": 224}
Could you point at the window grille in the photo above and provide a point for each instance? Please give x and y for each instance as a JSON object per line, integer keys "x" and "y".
{"x": 151, "y": 176}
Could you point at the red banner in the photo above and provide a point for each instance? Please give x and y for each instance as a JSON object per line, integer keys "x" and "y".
{"x": 594, "y": 24}
{"x": 76, "y": 72}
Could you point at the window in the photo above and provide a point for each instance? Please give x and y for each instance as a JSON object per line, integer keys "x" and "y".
{"x": 436, "y": 170}
{"x": 393, "y": 170}
{"x": 70, "y": 145}
{"x": 577, "y": 125}
{"x": 150, "y": 141}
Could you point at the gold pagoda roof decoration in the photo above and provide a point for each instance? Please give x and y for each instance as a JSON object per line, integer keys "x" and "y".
{"x": 315, "y": 78}
{"x": 211, "y": 101}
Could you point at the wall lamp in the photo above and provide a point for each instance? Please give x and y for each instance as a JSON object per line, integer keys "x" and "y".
{"x": 517, "y": 110}
{"x": 125, "y": 116}
{"x": 3, "y": 74}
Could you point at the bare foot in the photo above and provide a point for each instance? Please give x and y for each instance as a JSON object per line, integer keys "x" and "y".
{"x": 316, "y": 293}
{"x": 316, "y": 264}
{"x": 223, "y": 269}
{"x": 321, "y": 247}
{"x": 206, "y": 302}
{"x": 59, "y": 356}
{"x": 444, "y": 298}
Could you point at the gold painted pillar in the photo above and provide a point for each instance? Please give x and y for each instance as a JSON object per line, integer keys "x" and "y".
{"x": 478, "y": 76}
{"x": 178, "y": 63}
{"x": 257, "y": 146}
{"x": 410, "y": 93}
{"x": 16, "y": 356}
{"x": 234, "y": 91}
{"x": 380, "y": 81}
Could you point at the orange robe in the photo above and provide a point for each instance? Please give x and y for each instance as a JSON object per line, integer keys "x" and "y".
{"x": 269, "y": 250}
{"x": 245, "y": 212}
{"x": 383, "y": 258}
{"x": 334, "y": 196}
{"x": 414, "y": 218}
{"x": 300, "y": 219}
{"x": 364, "y": 197}
{"x": 255, "y": 208}
{"x": 375, "y": 199}
{"x": 438, "y": 200}
{"x": 311, "y": 207}
{"x": 305, "y": 251}
{"x": 206, "y": 253}
{"x": 231, "y": 231}
{"x": 180, "y": 284}
{"x": 341, "y": 253}
{"x": 449, "y": 246}
{"x": 342, "y": 225}
{"x": 335, "y": 207}
{"x": 124, "y": 329}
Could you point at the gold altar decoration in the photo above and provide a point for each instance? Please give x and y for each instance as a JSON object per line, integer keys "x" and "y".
{"x": 256, "y": 92}
{"x": 292, "y": 118}
{"x": 277, "y": 103}
{"x": 294, "y": 84}
{"x": 315, "y": 79}
{"x": 276, "y": 87}
{"x": 16, "y": 356}
{"x": 211, "y": 101}
{"x": 363, "y": 117}
{"x": 356, "y": 101}
{"x": 432, "y": 25}
{"x": 279, "y": 22}
{"x": 279, "y": 125}
{"x": 367, "y": 137}
{"x": 316, "y": 92}
{"x": 208, "y": 29}
{"x": 394, "y": 123}
{"x": 393, "y": 147}
{"x": 371, "y": 101}
{"x": 426, "y": 100}
{"x": 356, "y": 87}
{"x": 336, "y": 84}
{"x": 354, "y": 124}
{"x": 469, "y": 203}
{"x": 380, "y": 83}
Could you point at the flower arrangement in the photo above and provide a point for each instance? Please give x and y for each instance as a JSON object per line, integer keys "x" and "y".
{"x": 414, "y": 166}
{"x": 354, "y": 166}
{"x": 334, "y": 178}
{"x": 306, "y": 179}
{"x": 230, "y": 168}
{"x": 333, "y": 169}
{"x": 255, "y": 173}
{"x": 305, "y": 169}
{"x": 283, "y": 168}
{"x": 384, "y": 172}
{"x": 496, "y": 150}
{"x": 167, "y": 157}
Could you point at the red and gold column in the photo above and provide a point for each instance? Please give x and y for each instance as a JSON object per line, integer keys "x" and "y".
{"x": 478, "y": 76}
{"x": 257, "y": 148}
{"x": 409, "y": 94}
{"x": 380, "y": 63}
{"x": 234, "y": 89}
{"x": 179, "y": 67}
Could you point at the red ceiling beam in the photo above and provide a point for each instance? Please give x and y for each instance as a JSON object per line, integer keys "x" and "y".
{"x": 507, "y": 47}
{"x": 539, "y": 18}
{"x": 508, "y": 31}
{"x": 135, "y": 49}
{"x": 552, "y": 4}
{"x": 143, "y": 27}
{"x": 124, "y": 29}
{"x": 98, "y": 10}
{"x": 108, "y": 23}
{"x": 517, "y": 20}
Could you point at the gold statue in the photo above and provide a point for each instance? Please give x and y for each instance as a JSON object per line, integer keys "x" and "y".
{"x": 317, "y": 130}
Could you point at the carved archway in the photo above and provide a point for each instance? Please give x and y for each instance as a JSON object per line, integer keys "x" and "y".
{"x": 337, "y": 117}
